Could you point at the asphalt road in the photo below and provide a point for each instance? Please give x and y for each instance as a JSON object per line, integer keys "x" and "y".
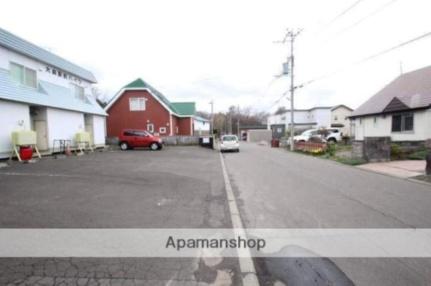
{"x": 279, "y": 189}
{"x": 178, "y": 187}
{"x": 183, "y": 187}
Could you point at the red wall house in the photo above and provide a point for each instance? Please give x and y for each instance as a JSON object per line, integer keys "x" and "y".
{"x": 185, "y": 126}
{"x": 140, "y": 106}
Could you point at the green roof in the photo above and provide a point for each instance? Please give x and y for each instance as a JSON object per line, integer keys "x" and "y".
{"x": 180, "y": 108}
{"x": 185, "y": 108}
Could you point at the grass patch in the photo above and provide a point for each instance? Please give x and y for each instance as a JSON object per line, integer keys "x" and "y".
{"x": 331, "y": 154}
{"x": 425, "y": 178}
{"x": 349, "y": 161}
{"x": 418, "y": 155}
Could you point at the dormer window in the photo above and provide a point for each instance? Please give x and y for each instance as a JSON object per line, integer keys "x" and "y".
{"x": 23, "y": 75}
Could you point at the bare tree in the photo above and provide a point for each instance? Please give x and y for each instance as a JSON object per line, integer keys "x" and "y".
{"x": 280, "y": 110}
{"x": 229, "y": 121}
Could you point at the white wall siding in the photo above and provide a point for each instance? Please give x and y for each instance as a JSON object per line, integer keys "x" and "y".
{"x": 339, "y": 116}
{"x": 99, "y": 130}
{"x": 321, "y": 116}
{"x": 11, "y": 114}
{"x": 377, "y": 126}
{"x": 201, "y": 125}
{"x": 63, "y": 124}
{"x": 7, "y": 56}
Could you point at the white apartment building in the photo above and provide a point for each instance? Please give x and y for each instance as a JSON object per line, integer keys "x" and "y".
{"x": 45, "y": 93}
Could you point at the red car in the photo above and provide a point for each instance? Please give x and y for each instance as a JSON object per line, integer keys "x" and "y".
{"x": 131, "y": 138}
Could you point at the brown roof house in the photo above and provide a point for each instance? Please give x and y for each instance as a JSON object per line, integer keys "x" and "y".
{"x": 401, "y": 110}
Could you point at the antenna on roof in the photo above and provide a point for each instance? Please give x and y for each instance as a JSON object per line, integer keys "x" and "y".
{"x": 401, "y": 67}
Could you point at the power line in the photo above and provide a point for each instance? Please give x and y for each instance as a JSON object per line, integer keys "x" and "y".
{"x": 344, "y": 12}
{"x": 277, "y": 101}
{"x": 369, "y": 58}
{"x": 366, "y": 17}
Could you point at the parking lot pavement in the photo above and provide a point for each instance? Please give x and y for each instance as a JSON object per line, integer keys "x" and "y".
{"x": 178, "y": 187}
{"x": 279, "y": 189}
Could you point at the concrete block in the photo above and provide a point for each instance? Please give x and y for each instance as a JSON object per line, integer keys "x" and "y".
{"x": 377, "y": 149}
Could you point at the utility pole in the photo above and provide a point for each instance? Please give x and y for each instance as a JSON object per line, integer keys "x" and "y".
{"x": 289, "y": 38}
{"x": 237, "y": 124}
{"x": 212, "y": 117}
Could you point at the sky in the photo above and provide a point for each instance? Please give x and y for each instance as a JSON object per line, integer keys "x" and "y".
{"x": 227, "y": 51}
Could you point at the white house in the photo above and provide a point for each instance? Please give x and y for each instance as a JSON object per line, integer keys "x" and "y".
{"x": 201, "y": 125}
{"x": 46, "y": 93}
{"x": 316, "y": 117}
{"x": 401, "y": 110}
{"x": 340, "y": 118}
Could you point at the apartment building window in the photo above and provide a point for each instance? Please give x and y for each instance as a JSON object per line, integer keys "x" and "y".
{"x": 137, "y": 103}
{"x": 79, "y": 92}
{"x": 23, "y": 75}
{"x": 402, "y": 122}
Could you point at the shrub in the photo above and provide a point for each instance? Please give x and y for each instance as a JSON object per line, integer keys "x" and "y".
{"x": 331, "y": 149}
{"x": 351, "y": 161}
{"x": 396, "y": 151}
{"x": 418, "y": 155}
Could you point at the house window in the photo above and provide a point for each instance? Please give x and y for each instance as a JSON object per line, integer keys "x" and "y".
{"x": 335, "y": 118}
{"x": 137, "y": 103}
{"x": 162, "y": 130}
{"x": 402, "y": 122}
{"x": 150, "y": 127}
{"x": 78, "y": 92}
{"x": 23, "y": 75}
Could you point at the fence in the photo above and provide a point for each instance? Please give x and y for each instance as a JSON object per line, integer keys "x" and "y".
{"x": 181, "y": 140}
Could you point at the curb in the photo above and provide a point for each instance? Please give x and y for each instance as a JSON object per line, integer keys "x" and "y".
{"x": 246, "y": 264}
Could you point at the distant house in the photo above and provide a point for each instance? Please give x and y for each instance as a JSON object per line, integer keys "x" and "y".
{"x": 46, "y": 93}
{"x": 138, "y": 105}
{"x": 244, "y": 130}
{"x": 401, "y": 110}
{"x": 340, "y": 118}
{"x": 316, "y": 117}
{"x": 201, "y": 125}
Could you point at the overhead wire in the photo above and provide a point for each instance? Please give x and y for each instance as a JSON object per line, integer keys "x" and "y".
{"x": 366, "y": 17}
{"x": 341, "y": 14}
{"x": 366, "y": 59}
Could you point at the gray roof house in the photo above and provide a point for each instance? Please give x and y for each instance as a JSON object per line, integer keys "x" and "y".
{"x": 401, "y": 110}
{"x": 46, "y": 93}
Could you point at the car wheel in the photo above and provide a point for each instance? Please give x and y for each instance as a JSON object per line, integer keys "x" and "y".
{"x": 154, "y": 146}
{"x": 124, "y": 146}
{"x": 237, "y": 150}
{"x": 332, "y": 140}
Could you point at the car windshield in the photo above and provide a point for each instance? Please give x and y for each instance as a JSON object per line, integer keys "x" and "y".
{"x": 229, "y": 138}
{"x": 141, "y": 133}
